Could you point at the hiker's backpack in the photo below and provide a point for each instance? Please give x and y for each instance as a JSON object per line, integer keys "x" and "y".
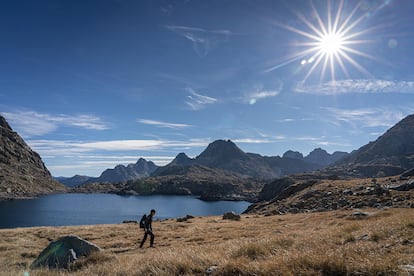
{"x": 142, "y": 221}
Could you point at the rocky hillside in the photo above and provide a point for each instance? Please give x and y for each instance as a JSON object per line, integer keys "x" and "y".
{"x": 391, "y": 154}
{"x": 22, "y": 172}
{"x": 322, "y": 192}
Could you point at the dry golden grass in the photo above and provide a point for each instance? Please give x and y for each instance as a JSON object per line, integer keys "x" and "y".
{"x": 329, "y": 243}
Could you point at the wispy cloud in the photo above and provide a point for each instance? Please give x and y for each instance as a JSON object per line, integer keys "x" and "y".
{"x": 99, "y": 163}
{"x": 197, "y": 101}
{"x": 69, "y": 157}
{"x": 203, "y": 40}
{"x": 71, "y": 147}
{"x": 259, "y": 95}
{"x": 357, "y": 86}
{"x": 32, "y": 123}
{"x": 367, "y": 117}
{"x": 256, "y": 140}
{"x": 163, "y": 124}
{"x": 292, "y": 120}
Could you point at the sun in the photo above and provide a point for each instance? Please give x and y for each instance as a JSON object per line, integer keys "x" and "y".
{"x": 329, "y": 42}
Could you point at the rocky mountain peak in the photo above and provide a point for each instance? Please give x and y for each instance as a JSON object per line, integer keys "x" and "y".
{"x": 293, "y": 155}
{"x": 142, "y": 168}
{"x": 220, "y": 151}
{"x": 319, "y": 156}
{"x": 182, "y": 160}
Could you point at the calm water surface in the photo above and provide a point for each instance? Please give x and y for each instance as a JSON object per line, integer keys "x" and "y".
{"x": 81, "y": 209}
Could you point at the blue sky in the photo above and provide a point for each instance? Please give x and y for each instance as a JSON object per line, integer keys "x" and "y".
{"x": 94, "y": 83}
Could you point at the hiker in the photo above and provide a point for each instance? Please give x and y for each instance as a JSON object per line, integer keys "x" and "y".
{"x": 148, "y": 229}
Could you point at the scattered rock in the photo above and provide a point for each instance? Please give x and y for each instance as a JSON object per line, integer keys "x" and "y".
{"x": 408, "y": 268}
{"x": 187, "y": 217}
{"x": 364, "y": 237}
{"x": 347, "y": 192}
{"x": 64, "y": 251}
{"x": 359, "y": 215}
{"x": 407, "y": 242}
{"x": 130, "y": 221}
{"x": 409, "y": 185}
{"x": 231, "y": 216}
{"x": 408, "y": 173}
{"x": 211, "y": 269}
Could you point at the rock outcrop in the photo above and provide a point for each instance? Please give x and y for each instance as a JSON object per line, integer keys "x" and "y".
{"x": 318, "y": 193}
{"x": 22, "y": 172}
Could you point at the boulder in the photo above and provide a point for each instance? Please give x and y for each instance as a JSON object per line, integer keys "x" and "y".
{"x": 359, "y": 215}
{"x": 408, "y": 173}
{"x": 211, "y": 269}
{"x": 130, "y": 221}
{"x": 183, "y": 219}
{"x": 231, "y": 216}
{"x": 403, "y": 187}
{"x": 64, "y": 251}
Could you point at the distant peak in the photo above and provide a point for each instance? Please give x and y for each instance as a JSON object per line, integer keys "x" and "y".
{"x": 181, "y": 159}
{"x": 222, "y": 143}
{"x": 141, "y": 160}
{"x": 181, "y": 155}
{"x": 319, "y": 150}
{"x": 221, "y": 151}
{"x": 293, "y": 154}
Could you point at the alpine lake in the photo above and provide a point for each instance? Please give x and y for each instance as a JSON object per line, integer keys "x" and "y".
{"x": 89, "y": 209}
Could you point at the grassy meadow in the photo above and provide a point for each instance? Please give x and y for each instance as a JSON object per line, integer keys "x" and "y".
{"x": 327, "y": 243}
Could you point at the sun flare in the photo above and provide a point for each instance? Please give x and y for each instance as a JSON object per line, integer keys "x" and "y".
{"x": 329, "y": 42}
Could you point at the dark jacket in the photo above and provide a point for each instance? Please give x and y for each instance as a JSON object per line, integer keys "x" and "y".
{"x": 148, "y": 223}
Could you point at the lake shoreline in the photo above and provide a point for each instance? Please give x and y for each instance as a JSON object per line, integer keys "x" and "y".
{"x": 89, "y": 209}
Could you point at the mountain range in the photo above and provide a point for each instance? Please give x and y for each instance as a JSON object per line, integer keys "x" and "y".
{"x": 223, "y": 155}
{"x": 221, "y": 172}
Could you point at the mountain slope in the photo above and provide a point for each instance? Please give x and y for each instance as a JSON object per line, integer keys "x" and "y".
{"x": 391, "y": 154}
{"x": 335, "y": 187}
{"x": 22, "y": 171}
